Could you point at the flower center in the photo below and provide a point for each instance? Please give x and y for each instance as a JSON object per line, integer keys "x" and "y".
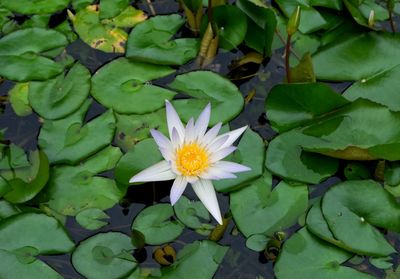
{"x": 191, "y": 159}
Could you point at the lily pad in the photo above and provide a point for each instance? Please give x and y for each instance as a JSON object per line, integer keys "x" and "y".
{"x": 360, "y": 57}
{"x": 20, "y": 54}
{"x": 352, "y": 208}
{"x": 112, "y": 8}
{"x": 19, "y": 99}
{"x": 29, "y": 7}
{"x": 105, "y": 256}
{"x": 151, "y": 42}
{"x": 193, "y": 214}
{"x": 200, "y": 257}
{"x": 72, "y": 189}
{"x": 34, "y": 230}
{"x": 56, "y": 98}
{"x": 100, "y": 36}
{"x": 141, "y": 156}
{"x": 133, "y": 128}
{"x": 258, "y": 209}
{"x": 128, "y": 18}
{"x": 125, "y": 86}
{"x": 155, "y": 224}
{"x": 92, "y": 218}
{"x": 305, "y": 256}
{"x": 292, "y": 105}
{"x": 69, "y": 141}
{"x": 207, "y": 87}
{"x": 25, "y": 183}
{"x": 250, "y": 152}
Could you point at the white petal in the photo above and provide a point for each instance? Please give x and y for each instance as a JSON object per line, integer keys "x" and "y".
{"x": 214, "y": 173}
{"x": 167, "y": 153}
{"x": 190, "y": 134}
{"x": 211, "y": 134}
{"x": 158, "y": 172}
{"x": 231, "y": 166}
{"x": 161, "y": 140}
{"x": 176, "y": 139}
{"x": 206, "y": 193}
{"x": 202, "y": 122}
{"x": 192, "y": 179}
{"x": 173, "y": 120}
{"x": 222, "y": 153}
{"x": 233, "y": 135}
{"x": 216, "y": 144}
{"x": 177, "y": 189}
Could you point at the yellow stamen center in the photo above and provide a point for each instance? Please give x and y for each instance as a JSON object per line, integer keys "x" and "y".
{"x": 191, "y": 159}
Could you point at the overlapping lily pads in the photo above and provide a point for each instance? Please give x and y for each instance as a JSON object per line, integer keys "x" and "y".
{"x": 22, "y": 54}
{"x": 151, "y": 42}
{"x": 35, "y": 7}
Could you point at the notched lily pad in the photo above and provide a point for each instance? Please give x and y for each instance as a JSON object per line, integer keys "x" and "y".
{"x": 92, "y": 218}
{"x": 19, "y": 99}
{"x": 151, "y": 42}
{"x": 193, "y": 214}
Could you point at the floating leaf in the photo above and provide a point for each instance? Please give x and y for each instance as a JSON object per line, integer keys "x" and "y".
{"x": 250, "y": 152}
{"x": 67, "y": 141}
{"x": 29, "y": 7}
{"x": 105, "y": 256}
{"x": 100, "y": 36}
{"x": 259, "y": 210}
{"x": 200, "y": 257}
{"x": 207, "y": 87}
{"x": 7, "y": 209}
{"x": 73, "y": 189}
{"x": 192, "y": 213}
{"x": 19, "y": 99}
{"x": 128, "y": 18}
{"x": 92, "y": 218}
{"x": 131, "y": 129}
{"x": 257, "y": 242}
{"x": 58, "y": 97}
{"x": 112, "y": 8}
{"x": 155, "y": 224}
{"x": 151, "y": 42}
{"x": 34, "y": 230}
{"x": 305, "y": 256}
{"x": 292, "y": 105}
{"x": 125, "y": 86}
{"x": 360, "y": 57}
{"x": 141, "y": 156}
{"x": 20, "y": 52}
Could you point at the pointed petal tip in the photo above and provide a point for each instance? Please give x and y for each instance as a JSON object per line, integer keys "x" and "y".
{"x": 219, "y": 220}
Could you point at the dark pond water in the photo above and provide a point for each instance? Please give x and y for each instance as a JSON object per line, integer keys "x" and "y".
{"x": 240, "y": 262}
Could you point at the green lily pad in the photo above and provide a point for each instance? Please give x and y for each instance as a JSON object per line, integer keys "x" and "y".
{"x": 72, "y": 189}
{"x": 92, "y": 218}
{"x": 286, "y": 158}
{"x": 257, "y": 242}
{"x": 28, "y": 7}
{"x": 141, "y": 156}
{"x": 58, "y": 97}
{"x": 192, "y": 214}
{"x": 100, "y": 36}
{"x": 155, "y": 224}
{"x": 305, "y": 256}
{"x": 12, "y": 156}
{"x": 19, "y": 99}
{"x": 207, "y": 87}
{"x": 133, "y": 128}
{"x": 250, "y": 152}
{"x": 80, "y": 4}
{"x": 8, "y": 209}
{"x": 200, "y": 257}
{"x": 105, "y": 256}
{"x": 128, "y": 18}
{"x": 151, "y": 42}
{"x": 112, "y": 8}
{"x": 67, "y": 141}
{"x": 25, "y": 183}
{"x": 125, "y": 86}
{"x": 292, "y": 105}
{"x": 261, "y": 25}
{"x": 380, "y": 88}
{"x": 34, "y": 230}
{"x": 352, "y": 208}
{"x": 360, "y": 57}
{"x": 11, "y": 268}
{"x": 232, "y": 26}
{"x": 258, "y": 209}
{"x": 20, "y": 54}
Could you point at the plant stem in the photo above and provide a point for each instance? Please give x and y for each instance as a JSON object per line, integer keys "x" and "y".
{"x": 392, "y": 26}
{"x": 210, "y": 17}
{"x": 152, "y": 10}
{"x": 287, "y": 57}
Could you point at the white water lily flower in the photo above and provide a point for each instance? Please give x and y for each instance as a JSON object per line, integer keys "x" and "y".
{"x": 193, "y": 155}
